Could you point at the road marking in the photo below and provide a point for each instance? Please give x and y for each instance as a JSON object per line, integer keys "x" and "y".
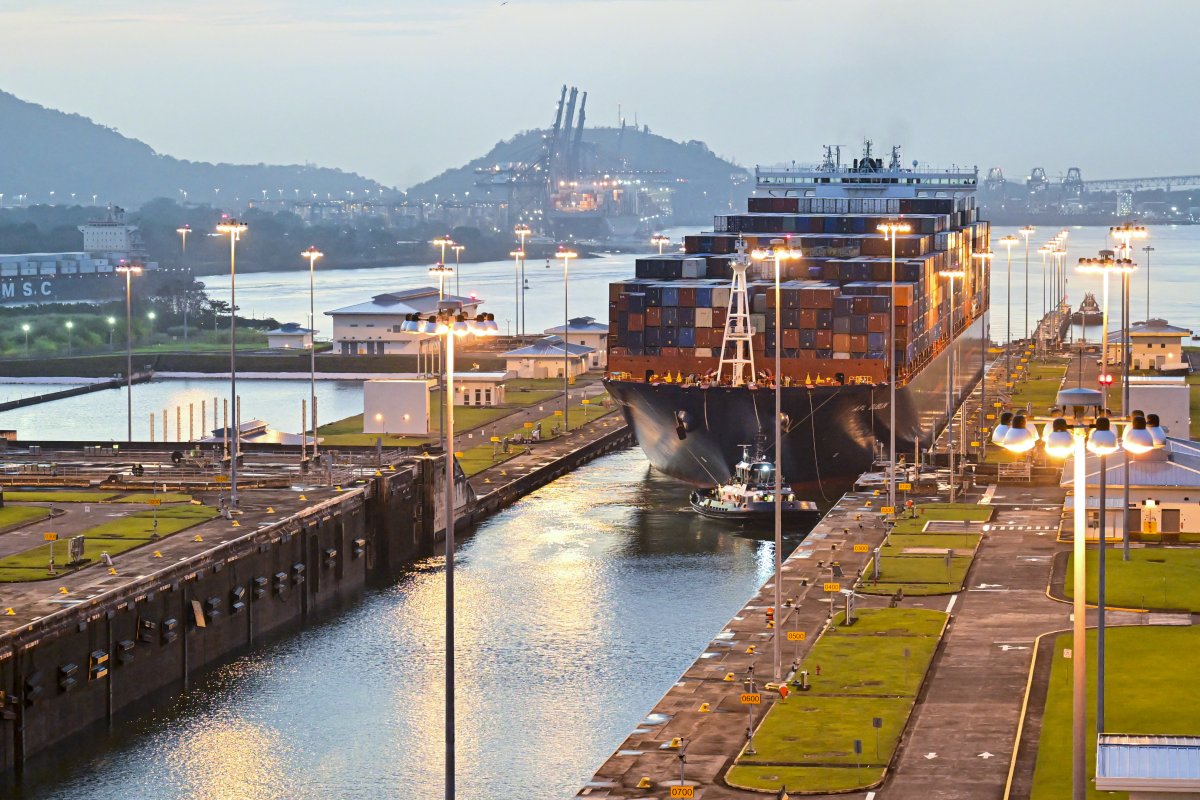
{"x": 930, "y": 756}
{"x": 985, "y": 755}
{"x": 870, "y": 796}
{"x": 990, "y": 586}
{"x": 1007, "y": 647}
{"x": 950, "y": 605}
{"x": 986, "y": 500}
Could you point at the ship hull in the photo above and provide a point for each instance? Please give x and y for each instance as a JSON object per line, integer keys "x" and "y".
{"x": 87, "y": 288}
{"x": 831, "y": 432}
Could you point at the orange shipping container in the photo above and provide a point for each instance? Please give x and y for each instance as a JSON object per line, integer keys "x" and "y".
{"x": 654, "y": 316}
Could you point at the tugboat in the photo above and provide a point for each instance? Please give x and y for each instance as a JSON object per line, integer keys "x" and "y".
{"x": 1089, "y": 312}
{"x": 749, "y": 496}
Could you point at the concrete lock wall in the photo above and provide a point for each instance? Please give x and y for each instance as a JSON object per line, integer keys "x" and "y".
{"x": 115, "y": 656}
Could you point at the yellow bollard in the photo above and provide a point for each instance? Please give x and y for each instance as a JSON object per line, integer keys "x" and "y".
{"x": 704, "y": 709}
{"x": 728, "y": 677}
{"x": 8, "y": 612}
{"x": 644, "y": 783}
{"x": 750, "y": 649}
{"x": 302, "y": 497}
{"x": 158, "y": 554}
{"x": 237, "y": 524}
{"x": 198, "y": 538}
{"x": 112, "y": 570}
{"x": 63, "y": 590}
{"x": 270, "y": 509}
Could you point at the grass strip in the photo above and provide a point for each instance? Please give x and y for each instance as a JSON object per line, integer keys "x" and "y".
{"x": 1154, "y": 577}
{"x": 13, "y": 516}
{"x": 162, "y": 497}
{"x": 42, "y": 496}
{"x": 1150, "y": 690}
{"x": 872, "y": 669}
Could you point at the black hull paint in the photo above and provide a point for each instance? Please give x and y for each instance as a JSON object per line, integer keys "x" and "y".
{"x": 832, "y": 430}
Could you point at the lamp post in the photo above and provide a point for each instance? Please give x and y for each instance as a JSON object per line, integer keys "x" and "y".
{"x": 183, "y": 234}
{"x": 522, "y": 231}
{"x": 889, "y": 231}
{"x": 70, "y": 326}
{"x": 442, "y": 271}
{"x": 25, "y": 329}
{"x": 129, "y": 271}
{"x": 1008, "y": 242}
{"x": 780, "y": 251}
{"x": 661, "y": 240}
{"x": 566, "y": 256}
{"x": 443, "y": 242}
{"x": 951, "y": 274}
{"x": 1148, "y": 250}
{"x": 985, "y": 279}
{"x": 112, "y": 327}
{"x": 1104, "y": 267}
{"x": 312, "y": 254}
{"x": 234, "y": 229}
{"x": 1027, "y": 231}
{"x": 1044, "y": 251}
{"x": 447, "y": 326}
{"x": 457, "y": 248}
{"x": 518, "y": 256}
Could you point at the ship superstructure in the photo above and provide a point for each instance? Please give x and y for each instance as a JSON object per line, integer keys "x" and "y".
{"x": 690, "y": 366}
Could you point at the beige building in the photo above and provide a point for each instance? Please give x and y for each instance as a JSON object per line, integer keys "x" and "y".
{"x": 373, "y": 327}
{"x": 1164, "y": 492}
{"x": 589, "y": 333}
{"x": 479, "y": 388}
{"x": 290, "y": 336}
{"x": 1155, "y": 345}
{"x": 545, "y": 359}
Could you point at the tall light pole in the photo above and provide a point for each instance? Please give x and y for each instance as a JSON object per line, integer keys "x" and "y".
{"x": 183, "y": 234}
{"x": 1027, "y": 231}
{"x": 951, "y": 274}
{"x": 522, "y": 231}
{"x": 234, "y": 229}
{"x": 780, "y": 251}
{"x": 129, "y": 270}
{"x": 1148, "y": 250}
{"x": 442, "y": 271}
{"x": 443, "y": 242}
{"x": 661, "y": 240}
{"x": 1126, "y": 234}
{"x": 70, "y": 327}
{"x": 112, "y": 327}
{"x": 518, "y": 256}
{"x": 312, "y": 254}
{"x": 889, "y": 231}
{"x": 1008, "y": 242}
{"x": 447, "y": 326}
{"x": 985, "y": 259}
{"x": 566, "y": 256}
{"x": 457, "y": 248}
{"x": 25, "y": 328}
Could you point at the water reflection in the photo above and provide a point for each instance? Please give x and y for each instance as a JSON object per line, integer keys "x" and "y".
{"x": 577, "y": 608}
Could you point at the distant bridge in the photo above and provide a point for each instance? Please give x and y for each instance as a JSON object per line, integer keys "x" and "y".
{"x": 1173, "y": 182}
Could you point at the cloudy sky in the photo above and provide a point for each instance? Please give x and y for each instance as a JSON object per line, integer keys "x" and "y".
{"x": 398, "y": 89}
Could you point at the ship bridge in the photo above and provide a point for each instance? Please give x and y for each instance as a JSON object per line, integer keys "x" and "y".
{"x": 865, "y": 177}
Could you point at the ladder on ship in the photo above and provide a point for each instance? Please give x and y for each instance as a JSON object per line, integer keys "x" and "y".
{"x": 739, "y": 333}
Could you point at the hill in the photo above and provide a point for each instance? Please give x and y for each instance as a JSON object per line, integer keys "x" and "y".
{"x": 704, "y": 183}
{"x": 48, "y": 151}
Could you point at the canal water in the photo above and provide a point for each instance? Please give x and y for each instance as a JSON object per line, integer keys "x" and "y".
{"x": 577, "y": 608}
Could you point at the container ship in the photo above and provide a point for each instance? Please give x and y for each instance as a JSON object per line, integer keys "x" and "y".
{"x": 692, "y": 338}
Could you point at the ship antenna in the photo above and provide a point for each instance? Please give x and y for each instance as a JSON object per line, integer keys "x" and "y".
{"x": 895, "y": 165}
{"x": 736, "y": 349}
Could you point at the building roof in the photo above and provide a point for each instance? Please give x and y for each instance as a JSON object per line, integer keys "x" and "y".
{"x": 580, "y": 325}
{"x": 1147, "y": 763}
{"x": 550, "y": 347}
{"x": 410, "y": 301}
{"x": 1156, "y": 327}
{"x": 1176, "y": 466}
{"x": 291, "y": 329}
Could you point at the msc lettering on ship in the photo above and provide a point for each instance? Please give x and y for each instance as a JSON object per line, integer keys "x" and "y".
{"x": 9, "y": 289}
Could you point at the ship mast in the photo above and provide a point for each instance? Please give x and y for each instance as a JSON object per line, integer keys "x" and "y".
{"x": 738, "y": 331}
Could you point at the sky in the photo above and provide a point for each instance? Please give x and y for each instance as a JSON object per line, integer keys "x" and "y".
{"x": 398, "y": 90}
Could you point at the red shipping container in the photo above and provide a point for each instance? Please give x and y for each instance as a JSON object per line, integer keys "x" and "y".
{"x": 654, "y": 316}
{"x": 791, "y": 339}
{"x": 808, "y": 318}
{"x": 687, "y": 297}
{"x": 841, "y": 342}
{"x": 860, "y": 305}
{"x": 720, "y": 316}
{"x": 877, "y": 323}
{"x": 858, "y": 342}
{"x": 824, "y": 340}
{"x": 623, "y": 302}
{"x": 637, "y": 322}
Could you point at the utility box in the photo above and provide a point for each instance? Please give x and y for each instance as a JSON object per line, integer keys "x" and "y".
{"x": 393, "y": 406}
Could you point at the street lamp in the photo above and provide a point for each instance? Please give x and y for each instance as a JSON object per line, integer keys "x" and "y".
{"x": 985, "y": 279}
{"x": 312, "y": 254}
{"x": 518, "y": 257}
{"x": 522, "y": 231}
{"x": 1103, "y": 267}
{"x": 661, "y": 240}
{"x": 1147, "y": 250}
{"x": 443, "y": 242}
{"x": 951, "y": 274}
{"x": 780, "y": 251}
{"x": 25, "y": 328}
{"x": 129, "y": 270}
{"x": 1045, "y": 250}
{"x": 1008, "y": 242}
{"x": 442, "y": 271}
{"x": 1027, "y": 231}
{"x": 566, "y": 256}
{"x": 448, "y": 326}
{"x": 112, "y": 326}
{"x": 889, "y": 231}
{"x": 70, "y": 326}
{"x": 1086, "y": 430}
{"x": 234, "y": 229}
{"x": 457, "y": 248}
{"x": 183, "y": 234}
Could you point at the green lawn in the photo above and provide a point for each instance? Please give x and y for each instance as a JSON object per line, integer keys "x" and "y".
{"x": 942, "y": 512}
{"x": 1041, "y": 390}
{"x": 162, "y": 497}
{"x": 1148, "y": 692}
{"x": 873, "y": 668}
{"x": 1155, "y": 577}
{"x": 926, "y": 573}
{"x": 476, "y": 459}
{"x": 13, "y": 516}
{"x": 114, "y": 537}
{"x": 57, "y": 497}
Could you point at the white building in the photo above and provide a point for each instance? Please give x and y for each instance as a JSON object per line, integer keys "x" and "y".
{"x": 589, "y": 333}
{"x": 290, "y": 336}
{"x": 399, "y": 407}
{"x": 1164, "y": 491}
{"x": 545, "y": 359}
{"x": 479, "y": 388}
{"x": 1169, "y": 396}
{"x": 373, "y": 327}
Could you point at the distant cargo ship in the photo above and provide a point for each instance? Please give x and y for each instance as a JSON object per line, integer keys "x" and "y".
{"x": 86, "y": 276}
{"x": 691, "y": 354}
